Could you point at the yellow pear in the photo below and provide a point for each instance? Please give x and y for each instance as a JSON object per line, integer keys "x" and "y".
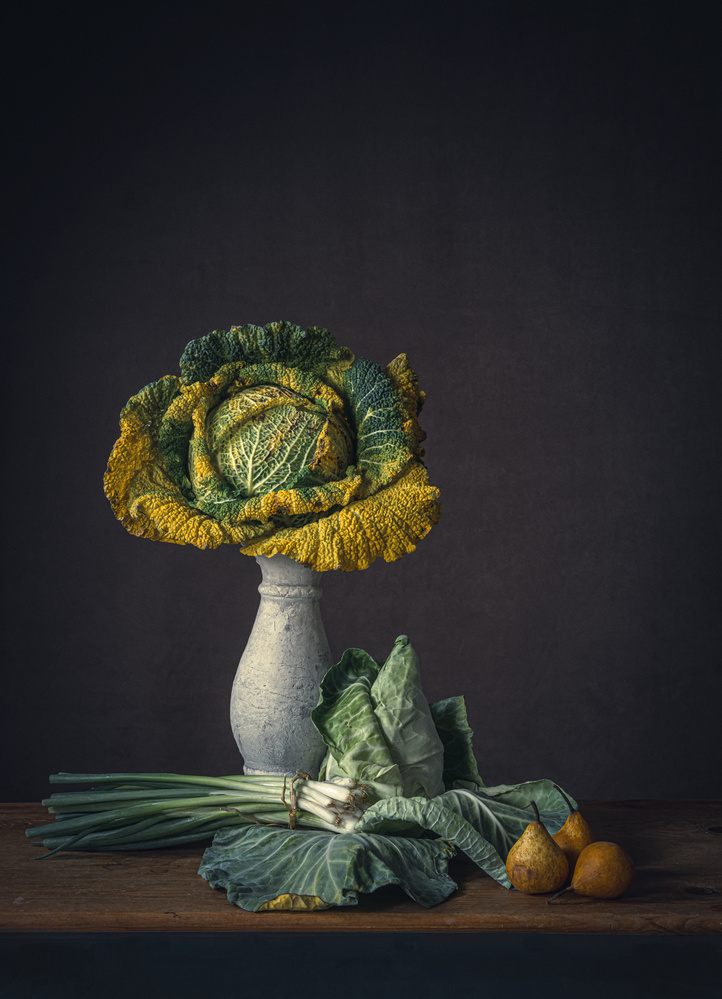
{"x": 535, "y": 864}
{"x": 603, "y": 870}
{"x": 574, "y": 835}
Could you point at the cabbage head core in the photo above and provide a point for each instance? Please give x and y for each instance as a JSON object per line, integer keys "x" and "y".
{"x": 268, "y": 438}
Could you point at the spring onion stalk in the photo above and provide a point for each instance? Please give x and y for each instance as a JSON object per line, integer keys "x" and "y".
{"x": 126, "y": 811}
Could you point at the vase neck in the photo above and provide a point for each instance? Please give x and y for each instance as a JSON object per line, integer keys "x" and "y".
{"x": 285, "y": 579}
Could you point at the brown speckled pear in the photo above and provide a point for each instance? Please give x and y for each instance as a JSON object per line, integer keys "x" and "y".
{"x": 574, "y": 835}
{"x": 535, "y": 864}
{"x": 603, "y": 870}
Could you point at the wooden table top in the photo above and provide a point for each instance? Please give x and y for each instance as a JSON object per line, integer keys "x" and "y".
{"x": 676, "y": 845}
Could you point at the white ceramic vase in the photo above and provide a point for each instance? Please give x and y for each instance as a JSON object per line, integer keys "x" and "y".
{"x": 277, "y": 682}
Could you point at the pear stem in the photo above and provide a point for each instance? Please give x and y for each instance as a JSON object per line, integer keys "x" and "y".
{"x": 536, "y": 811}
{"x": 563, "y": 890}
{"x": 571, "y": 807}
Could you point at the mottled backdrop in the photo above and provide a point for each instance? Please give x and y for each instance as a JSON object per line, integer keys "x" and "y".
{"x": 524, "y": 198}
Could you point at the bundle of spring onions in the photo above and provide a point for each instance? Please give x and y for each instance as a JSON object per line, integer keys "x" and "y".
{"x": 149, "y": 811}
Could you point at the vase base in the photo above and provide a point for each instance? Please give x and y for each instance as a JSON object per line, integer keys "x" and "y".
{"x": 250, "y": 771}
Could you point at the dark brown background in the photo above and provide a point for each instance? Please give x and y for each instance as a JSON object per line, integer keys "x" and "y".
{"x": 526, "y": 201}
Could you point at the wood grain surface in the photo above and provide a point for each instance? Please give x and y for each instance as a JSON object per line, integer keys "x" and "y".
{"x": 677, "y": 847}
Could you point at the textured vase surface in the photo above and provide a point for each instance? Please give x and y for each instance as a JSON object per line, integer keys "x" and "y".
{"x": 277, "y": 682}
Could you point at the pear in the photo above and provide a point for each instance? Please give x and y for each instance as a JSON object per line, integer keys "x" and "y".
{"x": 603, "y": 870}
{"x": 535, "y": 864}
{"x": 574, "y": 835}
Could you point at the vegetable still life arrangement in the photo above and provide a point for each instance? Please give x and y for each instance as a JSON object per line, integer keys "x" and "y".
{"x": 279, "y": 441}
{"x": 399, "y": 795}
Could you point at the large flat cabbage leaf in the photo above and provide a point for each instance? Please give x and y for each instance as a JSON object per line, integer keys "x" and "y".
{"x": 264, "y": 868}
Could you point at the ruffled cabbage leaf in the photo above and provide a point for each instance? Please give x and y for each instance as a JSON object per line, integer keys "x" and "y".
{"x": 278, "y": 440}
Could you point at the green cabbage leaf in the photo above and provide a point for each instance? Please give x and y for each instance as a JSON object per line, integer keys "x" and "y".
{"x": 265, "y": 868}
{"x": 377, "y": 724}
